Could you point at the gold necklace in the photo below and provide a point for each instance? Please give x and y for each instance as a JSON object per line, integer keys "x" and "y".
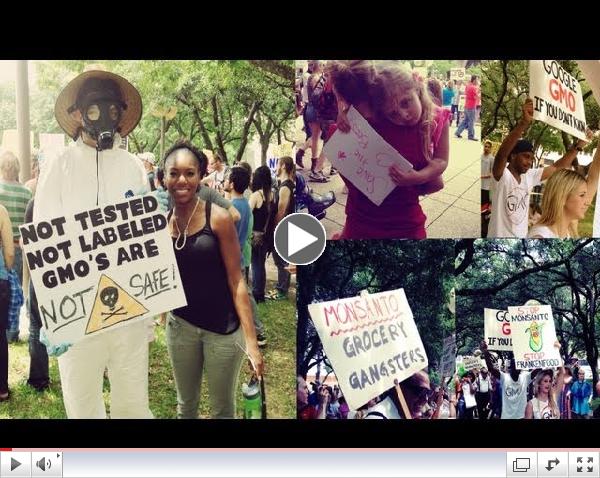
{"x": 185, "y": 232}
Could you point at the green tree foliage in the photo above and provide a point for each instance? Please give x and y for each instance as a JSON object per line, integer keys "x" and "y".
{"x": 220, "y": 104}
{"x": 424, "y": 269}
{"x": 501, "y": 273}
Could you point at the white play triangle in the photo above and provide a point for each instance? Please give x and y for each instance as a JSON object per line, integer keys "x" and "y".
{"x": 298, "y": 239}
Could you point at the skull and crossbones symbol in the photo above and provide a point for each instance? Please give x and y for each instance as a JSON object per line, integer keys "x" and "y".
{"x": 109, "y": 297}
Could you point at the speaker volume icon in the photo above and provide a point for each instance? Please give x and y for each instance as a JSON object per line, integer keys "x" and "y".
{"x": 43, "y": 463}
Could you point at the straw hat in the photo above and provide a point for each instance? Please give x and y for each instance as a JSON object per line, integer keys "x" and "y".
{"x": 68, "y": 97}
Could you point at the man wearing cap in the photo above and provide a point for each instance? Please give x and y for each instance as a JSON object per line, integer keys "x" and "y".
{"x": 96, "y": 109}
{"x": 513, "y": 179}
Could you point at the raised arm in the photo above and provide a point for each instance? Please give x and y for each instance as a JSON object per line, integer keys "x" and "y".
{"x": 494, "y": 371}
{"x": 593, "y": 174}
{"x": 511, "y": 140}
{"x": 565, "y": 161}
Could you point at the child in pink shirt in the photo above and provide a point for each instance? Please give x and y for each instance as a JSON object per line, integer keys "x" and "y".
{"x": 397, "y": 105}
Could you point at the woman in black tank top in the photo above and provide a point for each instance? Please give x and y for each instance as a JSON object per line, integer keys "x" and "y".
{"x": 261, "y": 205}
{"x": 205, "y": 335}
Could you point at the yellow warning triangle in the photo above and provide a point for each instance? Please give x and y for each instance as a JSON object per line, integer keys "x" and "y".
{"x": 112, "y": 305}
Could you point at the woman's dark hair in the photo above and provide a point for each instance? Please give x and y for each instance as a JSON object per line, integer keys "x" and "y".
{"x": 160, "y": 175}
{"x": 262, "y": 180}
{"x": 352, "y": 79}
{"x": 201, "y": 158}
{"x": 289, "y": 166}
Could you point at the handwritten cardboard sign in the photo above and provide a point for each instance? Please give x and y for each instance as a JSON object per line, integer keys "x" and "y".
{"x": 557, "y": 98}
{"x": 364, "y": 158}
{"x": 102, "y": 268}
{"x": 497, "y": 329}
{"x": 457, "y": 74}
{"x": 370, "y": 341}
{"x": 533, "y": 336}
{"x": 471, "y": 363}
{"x": 448, "y": 358}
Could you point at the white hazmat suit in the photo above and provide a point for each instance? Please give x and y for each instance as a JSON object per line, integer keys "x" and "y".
{"x": 71, "y": 183}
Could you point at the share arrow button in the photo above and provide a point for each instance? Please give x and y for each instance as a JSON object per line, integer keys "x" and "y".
{"x": 553, "y": 464}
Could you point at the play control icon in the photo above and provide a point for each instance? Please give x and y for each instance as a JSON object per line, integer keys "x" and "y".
{"x": 15, "y": 464}
{"x": 300, "y": 239}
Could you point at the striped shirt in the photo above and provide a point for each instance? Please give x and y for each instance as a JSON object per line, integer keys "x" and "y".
{"x": 14, "y": 197}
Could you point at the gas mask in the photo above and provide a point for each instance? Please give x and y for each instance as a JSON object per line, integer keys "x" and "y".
{"x": 101, "y": 118}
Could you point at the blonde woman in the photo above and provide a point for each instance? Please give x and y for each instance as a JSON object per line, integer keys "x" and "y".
{"x": 543, "y": 404}
{"x": 567, "y": 196}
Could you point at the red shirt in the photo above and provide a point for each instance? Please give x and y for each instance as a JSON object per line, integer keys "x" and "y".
{"x": 471, "y": 94}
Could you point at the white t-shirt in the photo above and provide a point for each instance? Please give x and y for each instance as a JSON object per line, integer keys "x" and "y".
{"x": 469, "y": 397}
{"x": 483, "y": 384}
{"x": 514, "y": 395}
{"x": 542, "y": 231}
{"x": 542, "y": 410}
{"x": 486, "y": 170}
{"x": 511, "y": 203}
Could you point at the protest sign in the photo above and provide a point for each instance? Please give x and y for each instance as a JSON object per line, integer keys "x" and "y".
{"x": 591, "y": 72}
{"x": 457, "y": 74}
{"x": 533, "y": 337}
{"x": 469, "y": 362}
{"x": 364, "y": 158}
{"x": 102, "y": 268}
{"x": 448, "y": 358}
{"x": 557, "y": 98}
{"x": 497, "y": 329}
{"x": 370, "y": 341}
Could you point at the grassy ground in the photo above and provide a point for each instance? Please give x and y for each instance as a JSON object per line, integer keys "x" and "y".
{"x": 280, "y": 323}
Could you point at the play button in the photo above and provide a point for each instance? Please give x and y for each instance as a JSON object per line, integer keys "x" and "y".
{"x": 14, "y": 464}
{"x": 300, "y": 239}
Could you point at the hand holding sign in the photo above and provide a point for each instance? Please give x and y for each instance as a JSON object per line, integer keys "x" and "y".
{"x": 53, "y": 350}
{"x": 589, "y": 136}
{"x": 527, "y": 116}
{"x": 342, "y": 122}
{"x": 366, "y": 157}
{"x": 405, "y": 178}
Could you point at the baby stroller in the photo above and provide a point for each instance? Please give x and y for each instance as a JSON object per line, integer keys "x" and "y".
{"x": 311, "y": 202}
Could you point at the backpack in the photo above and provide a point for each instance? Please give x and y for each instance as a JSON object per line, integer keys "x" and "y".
{"x": 323, "y": 100}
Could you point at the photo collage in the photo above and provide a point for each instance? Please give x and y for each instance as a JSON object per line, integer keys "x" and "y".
{"x": 382, "y": 239}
